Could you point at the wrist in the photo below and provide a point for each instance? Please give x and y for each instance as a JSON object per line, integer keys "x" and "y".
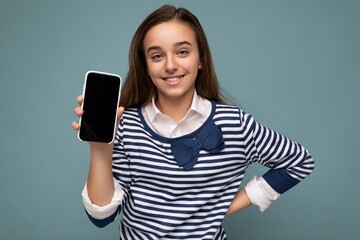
{"x": 101, "y": 149}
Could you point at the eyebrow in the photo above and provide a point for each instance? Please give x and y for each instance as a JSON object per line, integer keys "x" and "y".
{"x": 177, "y": 44}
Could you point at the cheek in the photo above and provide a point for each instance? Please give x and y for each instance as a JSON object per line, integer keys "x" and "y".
{"x": 193, "y": 66}
{"x": 192, "y": 63}
{"x": 153, "y": 69}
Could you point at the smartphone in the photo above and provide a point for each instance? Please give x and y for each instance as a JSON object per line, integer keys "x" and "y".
{"x": 101, "y": 94}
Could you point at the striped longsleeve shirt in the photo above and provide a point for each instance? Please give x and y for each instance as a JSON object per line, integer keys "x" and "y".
{"x": 163, "y": 201}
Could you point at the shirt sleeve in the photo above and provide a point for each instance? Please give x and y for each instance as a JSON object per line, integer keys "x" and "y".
{"x": 289, "y": 162}
{"x": 260, "y": 193}
{"x": 102, "y": 212}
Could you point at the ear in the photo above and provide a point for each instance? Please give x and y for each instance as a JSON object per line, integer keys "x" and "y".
{"x": 199, "y": 66}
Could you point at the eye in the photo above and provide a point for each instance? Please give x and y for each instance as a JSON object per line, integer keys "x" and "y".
{"x": 156, "y": 57}
{"x": 183, "y": 52}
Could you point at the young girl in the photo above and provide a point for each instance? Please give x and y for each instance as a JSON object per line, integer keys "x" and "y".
{"x": 180, "y": 152}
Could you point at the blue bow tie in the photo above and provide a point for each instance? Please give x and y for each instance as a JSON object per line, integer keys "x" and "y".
{"x": 186, "y": 150}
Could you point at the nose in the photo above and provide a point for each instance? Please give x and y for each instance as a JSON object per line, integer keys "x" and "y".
{"x": 171, "y": 65}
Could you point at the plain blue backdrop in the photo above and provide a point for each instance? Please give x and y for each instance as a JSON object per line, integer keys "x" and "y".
{"x": 294, "y": 65}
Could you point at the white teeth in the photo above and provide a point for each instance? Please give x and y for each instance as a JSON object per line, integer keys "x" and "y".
{"x": 173, "y": 79}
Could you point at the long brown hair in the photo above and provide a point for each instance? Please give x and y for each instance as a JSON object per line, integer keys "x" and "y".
{"x": 139, "y": 88}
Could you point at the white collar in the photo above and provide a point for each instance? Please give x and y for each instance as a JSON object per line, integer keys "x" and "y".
{"x": 198, "y": 105}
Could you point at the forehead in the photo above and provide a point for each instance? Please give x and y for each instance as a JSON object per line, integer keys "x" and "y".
{"x": 168, "y": 33}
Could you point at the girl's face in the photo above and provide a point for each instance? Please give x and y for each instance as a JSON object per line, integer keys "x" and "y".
{"x": 172, "y": 58}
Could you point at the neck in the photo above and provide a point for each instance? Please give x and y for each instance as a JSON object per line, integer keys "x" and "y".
{"x": 176, "y": 109}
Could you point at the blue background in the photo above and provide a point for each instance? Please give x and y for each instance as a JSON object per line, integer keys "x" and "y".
{"x": 294, "y": 65}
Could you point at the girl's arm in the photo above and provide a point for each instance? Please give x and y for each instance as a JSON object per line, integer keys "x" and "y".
{"x": 100, "y": 182}
{"x": 289, "y": 162}
{"x": 240, "y": 201}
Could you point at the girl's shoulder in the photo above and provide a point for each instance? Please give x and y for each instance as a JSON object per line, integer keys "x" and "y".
{"x": 131, "y": 110}
{"x": 223, "y": 108}
{"x": 131, "y": 114}
{"x": 231, "y": 111}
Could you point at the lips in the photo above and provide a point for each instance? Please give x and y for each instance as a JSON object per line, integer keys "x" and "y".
{"x": 173, "y": 78}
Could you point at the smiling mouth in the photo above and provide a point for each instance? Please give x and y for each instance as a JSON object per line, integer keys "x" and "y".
{"x": 173, "y": 79}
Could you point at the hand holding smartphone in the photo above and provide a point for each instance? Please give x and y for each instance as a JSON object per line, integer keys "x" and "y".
{"x": 101, "y": 101}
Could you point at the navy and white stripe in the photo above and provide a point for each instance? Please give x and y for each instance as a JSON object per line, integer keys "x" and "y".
{"x": 162, "y": 201}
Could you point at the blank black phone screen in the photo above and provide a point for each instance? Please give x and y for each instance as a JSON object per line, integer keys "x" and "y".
{"x": 101, "y": 99}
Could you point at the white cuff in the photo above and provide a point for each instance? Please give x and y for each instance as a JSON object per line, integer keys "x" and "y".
{"x": 101, "y": 212}
{"x": 260, "y": 193}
